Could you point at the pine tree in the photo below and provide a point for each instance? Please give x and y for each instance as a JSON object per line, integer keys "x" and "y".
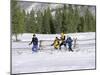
{"x": 64, "y": 27}
{"x": 70, "y": 18}
{"x": 52, "y": 29}
{"x": 80, "y": 25}
{"x": 89, "y": 21}
{"x": 94, "y": 24}
{"x": 39, "y": 20}
{"x": 46, "y": 21}
{"x": 58, "y": 21}
{"x": 76, "y": 18}
{"x": 32, "y": 22}
{"x": 27, "y": 22}
{"x": 17, "y": 19}
{"x": 51, "y": 20}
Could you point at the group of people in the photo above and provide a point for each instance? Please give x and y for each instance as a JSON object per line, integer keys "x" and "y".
{"x": 58, "y": 42}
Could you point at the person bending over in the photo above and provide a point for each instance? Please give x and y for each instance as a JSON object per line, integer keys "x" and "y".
{"x": 56, "y": 43}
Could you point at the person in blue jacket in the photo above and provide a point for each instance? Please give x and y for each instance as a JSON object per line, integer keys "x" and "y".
{"x": 69, "y": 41}
{"x": 35, "y": 43}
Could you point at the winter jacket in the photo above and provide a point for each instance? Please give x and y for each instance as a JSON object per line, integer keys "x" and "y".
{"x": 69, "y": 41}
{"x": 34, "y": 41}
{"x": 62, "y": 38}
{"x": 56, "y": 44}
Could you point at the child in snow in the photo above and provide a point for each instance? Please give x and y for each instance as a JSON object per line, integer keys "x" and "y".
{"x": 69, "y": 41}
{"x": 35, "y": 43}
{"x": 56, "y": 43}
{"x": 62, "y": 38}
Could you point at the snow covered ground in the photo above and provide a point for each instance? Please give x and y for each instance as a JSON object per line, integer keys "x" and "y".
{"x": 83, "y": 57}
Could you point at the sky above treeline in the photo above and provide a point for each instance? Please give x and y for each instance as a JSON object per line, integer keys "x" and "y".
{"x": 28, "y": 6}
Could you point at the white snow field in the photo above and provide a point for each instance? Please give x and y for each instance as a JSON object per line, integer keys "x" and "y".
{"x": 48, "y": 59}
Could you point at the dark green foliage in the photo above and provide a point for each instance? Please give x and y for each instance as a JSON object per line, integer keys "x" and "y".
{"x": 58, "y": 21}
{"x": 17, "y": 19}
{"x": 46, "y": 21}
{"x": 64, "y": 27}
{"x": 76, "y": 19}
{"x": 32, "y": 22}
{"x": 67, "y": 19}
{"x": 89, "y": 24}
{"x": 80, "y": 25}
{"x": 39, "y": 22}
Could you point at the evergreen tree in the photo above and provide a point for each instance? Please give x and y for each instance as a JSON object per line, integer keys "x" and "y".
{"x": 52, "y": 25}
{"x": 51, "y": 20}
{"x": 46, "y": 21}
{"x": 39, "y": 20}
{"x": 17, "y": 19}
{"x": 94, "y": 24}
{"x": 32, "y": 22}
{"x": 67, "y": 19}
{"x": 27, "y": 19}
{"x": 64, "y": 27}
{"x": 89, "y": 21}
{"x": 58, "y": 21}
{"x": 80, "y": 25}
{"x": 22, "y": 22}
{"x": 76, "y": 18}
{"x": 70, "y": 18}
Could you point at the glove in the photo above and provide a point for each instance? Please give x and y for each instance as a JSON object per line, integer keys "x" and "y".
{"x": 29, "y": 43}
{"x": 51, "y": 44}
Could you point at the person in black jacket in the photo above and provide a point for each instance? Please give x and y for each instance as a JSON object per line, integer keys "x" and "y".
{"x": 35, "y": 43}
{"x": 62, "y": 39}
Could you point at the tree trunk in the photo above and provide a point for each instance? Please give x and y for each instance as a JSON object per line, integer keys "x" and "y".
{"x": 16, "y": 37}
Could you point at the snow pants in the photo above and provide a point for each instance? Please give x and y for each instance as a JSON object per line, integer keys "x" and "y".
{"x": 70, "y": 47}
{"x": 63, "y": 43}
{"x": 35, "y": 48}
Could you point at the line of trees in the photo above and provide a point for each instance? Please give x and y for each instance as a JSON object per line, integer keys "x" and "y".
{"x": 68, "y": 19}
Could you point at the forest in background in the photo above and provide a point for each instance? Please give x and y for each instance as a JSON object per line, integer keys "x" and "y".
{"x": 67, "y": 19}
